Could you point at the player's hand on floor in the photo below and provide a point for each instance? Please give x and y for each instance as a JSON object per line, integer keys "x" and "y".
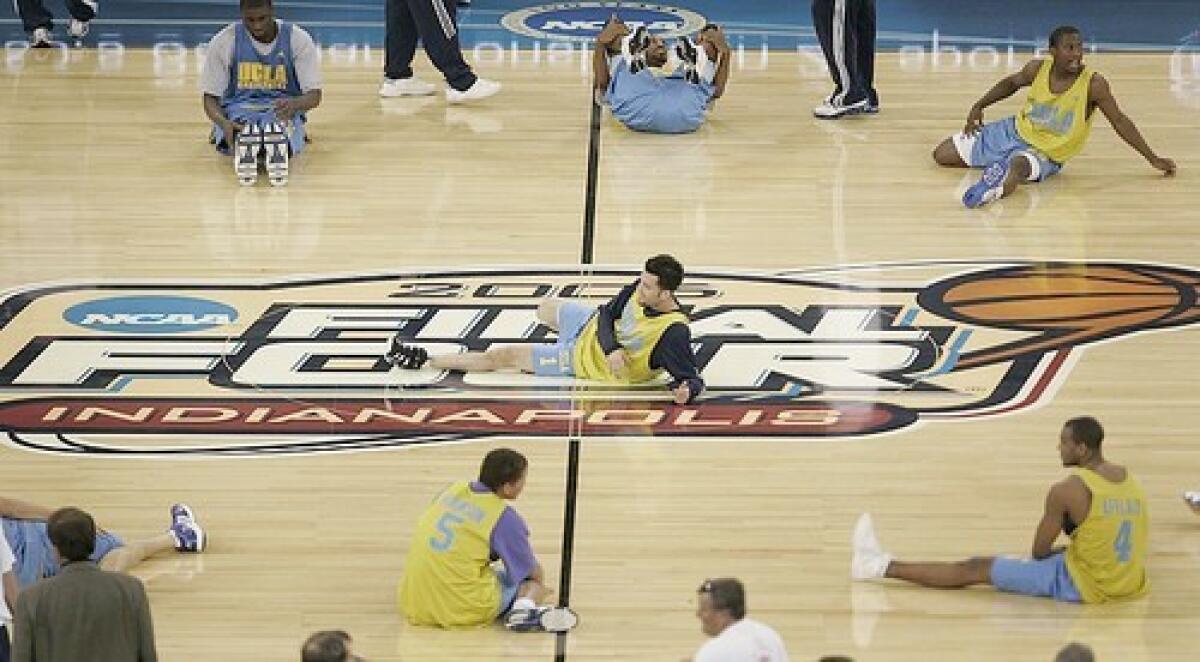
{"x": 682, "y": 394}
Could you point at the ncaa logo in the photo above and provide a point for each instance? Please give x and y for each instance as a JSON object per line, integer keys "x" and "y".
{"x": 582, "y": 21}
{"x": 150, "y": 314}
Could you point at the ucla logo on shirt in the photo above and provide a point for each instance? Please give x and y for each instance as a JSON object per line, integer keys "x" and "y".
{"x": 258, "y": 76}
{"x": 582, "y": 21}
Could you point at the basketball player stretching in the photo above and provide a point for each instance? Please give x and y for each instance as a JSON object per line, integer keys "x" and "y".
{"x": 1051, "y": 129}
{"x": 260, "y": 78}
{"x": 1100, "y": 506}
{"x": 632, "y": 339}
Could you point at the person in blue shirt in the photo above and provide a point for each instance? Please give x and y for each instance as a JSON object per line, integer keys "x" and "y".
{"x": 260, "y": 78}
{"x": 651, "y": 87}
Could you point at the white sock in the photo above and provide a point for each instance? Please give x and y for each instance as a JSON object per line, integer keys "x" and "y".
{"x": 524, "y": 603}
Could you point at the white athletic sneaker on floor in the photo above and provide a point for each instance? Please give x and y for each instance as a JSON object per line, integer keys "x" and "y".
{"x": 482, "y": 89}
{"x": 78, "y": 29}
{"x": 831, "y": 111}
{"x": 1193, "y": 501}
{"x": 869, "y": 561}
{"x": 40, "y": 38}
{"x": 275, "y": 149}
{"x": 247, "y": 145}
{"x": 405, "y": 87}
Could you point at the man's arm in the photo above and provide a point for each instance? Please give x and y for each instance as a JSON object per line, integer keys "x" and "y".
{"x": 212, "y": 108}
{"x": 11, "y": 590}
{"x": 1100, "y": 94}
{"x": 608, "y": 43}
{"x": 673, "y": 353}
{"x": 214, "y": 78}
{"x": 510, "y": 542}
{"x": 1003, "y": 89}
{"x": 308, "y": 76}
{"x": 17, "y": 509}
{"x": 1051, "y": 524}
{"x": 716, "y": 37}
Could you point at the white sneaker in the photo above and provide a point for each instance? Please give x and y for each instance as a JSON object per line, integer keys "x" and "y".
{"x": 247, "y": 145}
{"x": 831, "y": 111}
{"x": 275, "y": 147}
{"x": 869, "y": 560}
{"x": 405, "y": 87}
{"x": 40, "y": 38}
{"x": 482, "y": 89}
{"x": 78, "y": 29}
{"x": 1193, "y": 501}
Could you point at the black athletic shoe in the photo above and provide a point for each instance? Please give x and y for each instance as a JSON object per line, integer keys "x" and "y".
{"x": 409, "y": 357}
{"x": 686, "y": 49}
{"x": 637, "y": 44}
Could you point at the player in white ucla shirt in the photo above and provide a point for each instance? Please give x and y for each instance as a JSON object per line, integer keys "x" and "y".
{"x": 261, "y": 76}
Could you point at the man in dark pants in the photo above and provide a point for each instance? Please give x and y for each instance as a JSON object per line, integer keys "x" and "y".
{"x": 435, "y": 22}
{"x": 846, "y": 30}
{"x": 39, "y": 23}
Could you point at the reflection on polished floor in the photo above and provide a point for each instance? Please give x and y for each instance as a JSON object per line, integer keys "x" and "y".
{"x": 105, "y": 177}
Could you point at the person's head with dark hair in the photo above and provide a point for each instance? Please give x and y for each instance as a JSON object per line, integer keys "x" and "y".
{"x": 1066, "y": 48}
{"x": 328, "y": 646}
{"x": 259, "y": 18}
{"x": 1075, "y": 652}
{"x": 722, "y": 602}
{"x": 661, "y": 276}
{"x": 73, "y": 533}
{"x": 1057, "y": 35}
{"x": 1079, "y": 441}
{"x": 503, "y": 472}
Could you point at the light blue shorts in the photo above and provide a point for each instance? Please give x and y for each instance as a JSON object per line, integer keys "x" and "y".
{"x": 508, "y": 591}
{"x": 35, "y": 553}
{"x": 557, "y": 360}
{"x": 999, "y": 141}
{"x": 645, "y": 102}
{"x": 1047, "y": 578}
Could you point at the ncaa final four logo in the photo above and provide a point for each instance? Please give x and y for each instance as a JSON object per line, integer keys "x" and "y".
{"x": 296, "y": 366}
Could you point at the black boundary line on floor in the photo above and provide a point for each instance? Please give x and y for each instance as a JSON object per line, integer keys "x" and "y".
{"x": 586, "y": 257}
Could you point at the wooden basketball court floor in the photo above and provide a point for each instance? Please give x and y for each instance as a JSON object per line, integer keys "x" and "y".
{"x": 104, "y": 175}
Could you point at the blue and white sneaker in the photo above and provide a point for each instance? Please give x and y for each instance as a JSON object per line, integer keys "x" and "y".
{"x": 541, "y": 619}
{"x": 989, "y": 187}
{"x": 188, "y": 535}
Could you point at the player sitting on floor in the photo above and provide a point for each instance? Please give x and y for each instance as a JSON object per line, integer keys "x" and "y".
{"x": 260, "y": 78}
{"x": 650, "y": 87}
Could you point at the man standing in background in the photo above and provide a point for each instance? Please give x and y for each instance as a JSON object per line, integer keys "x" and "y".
{"x": 846, "y": 30}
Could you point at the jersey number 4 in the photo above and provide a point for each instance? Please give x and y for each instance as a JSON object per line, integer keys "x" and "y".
{"x": 1123, "y": 545}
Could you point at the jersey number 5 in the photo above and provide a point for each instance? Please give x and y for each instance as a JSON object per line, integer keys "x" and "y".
{"x": 446, "y": 526}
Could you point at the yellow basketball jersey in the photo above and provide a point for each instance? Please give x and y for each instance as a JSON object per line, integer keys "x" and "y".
{"x": 448, "y": 581}
{"x": 636, "y": 331}
{"x": 1107, "y": 554}
{"x": 1057, "y": 125}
